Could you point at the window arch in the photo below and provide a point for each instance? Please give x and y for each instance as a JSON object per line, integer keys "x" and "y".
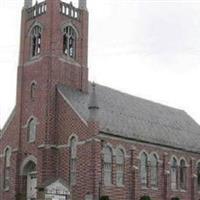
{"x": 31, "y": 130}
{"x": 154, "y": 170}
{"x": 69, "y": 42}
{"x": 182, "y": 174}
{"x": 144, "y": 169}
{"x": 174, "y": 173}
{"x": 107, "y": 166}
{"x": 33, "y": 89}
{"x": 198, "y": 176}
{"x": 120, "y": 166}
{"x": 7, "y": 156}
{"x": 73, "y": 160}
{"x": 36, "y": 41}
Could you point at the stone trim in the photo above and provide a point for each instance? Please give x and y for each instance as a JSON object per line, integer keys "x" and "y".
{"x": 79, "y": 143}
{"x": 35, "y": 23}
{"x": 67, "y": 59}
{"x": 25, "y": 161}
{"x": 135, "y": 141}
{"x": 65, "y": 24}
{"x": 29, "y": 119}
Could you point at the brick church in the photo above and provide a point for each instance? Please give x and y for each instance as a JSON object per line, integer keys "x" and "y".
{"x": 68, "y": 138}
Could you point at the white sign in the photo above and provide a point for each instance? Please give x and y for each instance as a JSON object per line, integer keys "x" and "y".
{"x": 56, "y": 191}
{"x": 88, "y": 197}
{"x": 55, "y": 197}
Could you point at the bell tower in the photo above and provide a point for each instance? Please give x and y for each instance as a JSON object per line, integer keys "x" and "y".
{"x": 58, "y": 32}
{"x": 53, "y": 50}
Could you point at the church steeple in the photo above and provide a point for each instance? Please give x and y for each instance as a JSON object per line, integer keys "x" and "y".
{"x": 58, "y": 31}
{"x": 53, "y": 51}
{"x": 28, "y": 3}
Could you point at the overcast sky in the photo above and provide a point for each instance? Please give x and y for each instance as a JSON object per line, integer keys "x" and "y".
{"x": 148, "y": 48}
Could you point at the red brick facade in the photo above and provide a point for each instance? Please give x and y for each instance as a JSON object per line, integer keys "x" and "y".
{"x": 57, "y": 121}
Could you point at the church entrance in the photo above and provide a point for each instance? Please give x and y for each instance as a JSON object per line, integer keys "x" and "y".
{"x": 30, "y": 179}
{"x": 31, "y": 186}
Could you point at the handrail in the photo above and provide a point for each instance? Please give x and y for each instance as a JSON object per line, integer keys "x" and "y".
{"x": 37, "y": 10}
{"x": 69, "y": 10}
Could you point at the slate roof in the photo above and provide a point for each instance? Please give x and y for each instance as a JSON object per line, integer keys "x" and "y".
{"x": 128, "y": 116}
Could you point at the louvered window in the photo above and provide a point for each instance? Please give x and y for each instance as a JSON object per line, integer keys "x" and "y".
{"x": 36, "y": 41}
{"x": 69, "y": 42}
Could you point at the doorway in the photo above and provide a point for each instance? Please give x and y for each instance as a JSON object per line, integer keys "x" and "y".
{"x": 30, "y": 180}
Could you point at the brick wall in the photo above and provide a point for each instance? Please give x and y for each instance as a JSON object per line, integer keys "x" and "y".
{"x": 133, "y": 189}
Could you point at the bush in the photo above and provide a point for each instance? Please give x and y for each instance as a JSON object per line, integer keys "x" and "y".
{"x": 175, "y": 198}
{"x": 20, "y": 196}
{"x": 145, "y": 198}
{"x": 104, "y": 198}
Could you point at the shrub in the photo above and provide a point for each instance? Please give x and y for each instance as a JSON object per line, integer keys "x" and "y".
{"x": 104, "y": 198}
{"x": 175, "y": 198}
{"x": 145, "y": 198}
{"x": 20, "y": 196}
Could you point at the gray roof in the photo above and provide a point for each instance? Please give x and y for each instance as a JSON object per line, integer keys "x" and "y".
{"x": 128, "y": 116}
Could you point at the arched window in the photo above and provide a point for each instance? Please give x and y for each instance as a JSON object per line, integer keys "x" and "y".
{"x": 73, "y": 160}
{"x": 69, "y": 42}
{"x": 198, "y": 176}
{"x": 7, "y": 156}
{"x": 36, "y": 41}
{"x": 174, "y": 174}
{"x": 31, "y": 130}
{"x": 33, "y": 89}
{"x": 143, "y": 169}
{"x": 182, "y": 174}
{"x": 107, "y": 166}
{"x": 154, "y": 171}
{"x": 120, "y": 163}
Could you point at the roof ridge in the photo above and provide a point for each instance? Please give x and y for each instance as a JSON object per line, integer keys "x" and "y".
{"x": 140, "y": 98}
{"x": 127, "y": 94}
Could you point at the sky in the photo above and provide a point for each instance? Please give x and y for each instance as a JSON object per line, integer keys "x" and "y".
{"x": 147, "y": 48}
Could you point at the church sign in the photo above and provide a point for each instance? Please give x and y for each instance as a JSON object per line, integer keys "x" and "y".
{"x": 55, "y": 197}
{"x": 57, "y": 191}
